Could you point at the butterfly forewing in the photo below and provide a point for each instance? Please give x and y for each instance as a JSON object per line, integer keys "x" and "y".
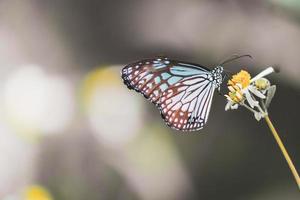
{"x": 182, "y": 91}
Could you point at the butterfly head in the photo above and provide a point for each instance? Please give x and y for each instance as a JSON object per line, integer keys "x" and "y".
{"x": 217, "y": 75}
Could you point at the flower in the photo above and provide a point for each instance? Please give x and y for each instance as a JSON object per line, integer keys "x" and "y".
{"x": 243, "y": 78}
{"x": 255, "y": 94}
{"x": 36, "y": 192}
{"x": 234, "y": 97}
{"x": 236, "y": 93}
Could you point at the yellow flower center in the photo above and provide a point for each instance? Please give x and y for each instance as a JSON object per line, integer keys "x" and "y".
{"x": 243, "y": 78}
{"x": 238, "y": 82}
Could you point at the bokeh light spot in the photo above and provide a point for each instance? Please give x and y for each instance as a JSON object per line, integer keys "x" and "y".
{"x": 36, "y": 192}
{"x": 113, "y": 112}
{"x": 36, "y": 102}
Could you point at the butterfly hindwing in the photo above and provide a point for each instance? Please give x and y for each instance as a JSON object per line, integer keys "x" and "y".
{"x": 182, "y": 91}
{"x": 185, "y": 106}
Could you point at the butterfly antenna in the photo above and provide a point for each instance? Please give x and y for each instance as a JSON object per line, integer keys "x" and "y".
{"x": 235, "y": 57}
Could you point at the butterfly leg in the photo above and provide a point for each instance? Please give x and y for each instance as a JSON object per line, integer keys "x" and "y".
{"x": 220, "y": 92}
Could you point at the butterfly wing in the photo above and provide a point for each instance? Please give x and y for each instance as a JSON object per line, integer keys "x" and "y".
{"x": 182, "y": 91}
{"x": 185, "y": 107}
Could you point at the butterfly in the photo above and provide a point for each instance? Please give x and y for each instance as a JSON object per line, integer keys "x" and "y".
{"x": 182, "y": 91}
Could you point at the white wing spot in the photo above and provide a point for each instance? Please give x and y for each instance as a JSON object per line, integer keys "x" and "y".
{"x": 190, "y": 82}
{"x": 177, "y": 106}
{"x": 142, "y": 82}
{"x": 170, "y": 94}
{"x": 185, "y": 107}
{"x": 181, "y": 88}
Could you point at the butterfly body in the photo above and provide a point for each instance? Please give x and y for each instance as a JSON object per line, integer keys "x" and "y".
{"x": 182, "y": 91}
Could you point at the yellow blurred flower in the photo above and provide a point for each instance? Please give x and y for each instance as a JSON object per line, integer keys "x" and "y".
{"x": 101, "y": 77}
{"x": 243, "y": 78}
{"x": 104, "y": 100}
{"x": 36, "y": 192}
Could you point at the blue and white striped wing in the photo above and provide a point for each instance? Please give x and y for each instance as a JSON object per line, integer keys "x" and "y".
{"x": 182, "y": 91}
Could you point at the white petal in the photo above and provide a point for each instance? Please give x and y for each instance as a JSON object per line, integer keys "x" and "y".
{"x": 256, "y": 92}
{"x": 228, "y": 97}
{"x": 235, "y": 106}
{"x": 252, "y": 102}
{"x": 270, "y": 95}
{"x": 265, "y": 72}
{"x": 257, "y": 116}
{"x": 228, "y": 105}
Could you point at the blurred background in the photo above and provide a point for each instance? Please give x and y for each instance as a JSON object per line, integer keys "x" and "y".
{"x": 70, "y": 129}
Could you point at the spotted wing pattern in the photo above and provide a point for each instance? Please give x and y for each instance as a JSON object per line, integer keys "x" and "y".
{"x": 182, "y": 91}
